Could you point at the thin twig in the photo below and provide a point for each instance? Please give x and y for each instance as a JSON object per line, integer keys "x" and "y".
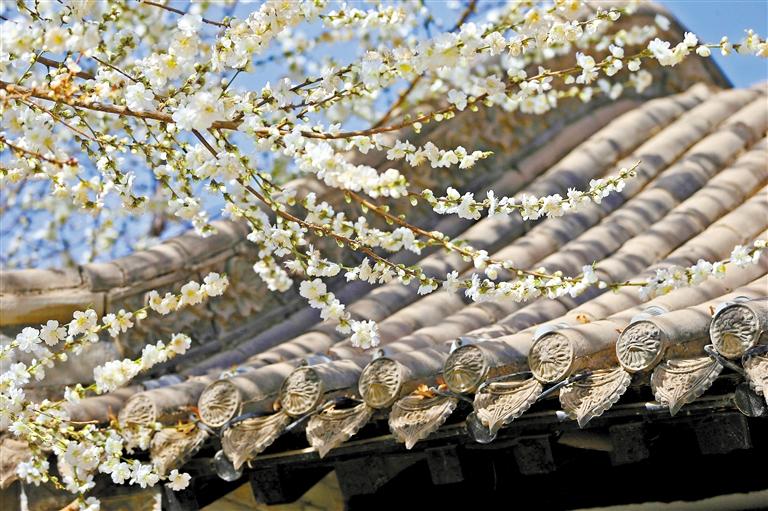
{"x": 86, "y": 75}
{"x": 179, "y": 11}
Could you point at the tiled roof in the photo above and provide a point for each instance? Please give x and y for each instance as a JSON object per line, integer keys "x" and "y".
{"x": 700, "y": 190}
{"x": 267, "y": 368}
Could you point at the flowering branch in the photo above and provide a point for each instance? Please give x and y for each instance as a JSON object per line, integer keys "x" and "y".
{"x": 157, "y": 127}
{"x": 46, "y": 426}
{"x": 529, "y": 207}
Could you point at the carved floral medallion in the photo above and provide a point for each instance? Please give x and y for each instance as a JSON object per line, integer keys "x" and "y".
{"x": 218, "y": 403}
{"x": 139, "y": 409}
{"x": 465, "y": 369}
{"x": 301, "y": 392}
{"x": 380, "y": 382}
{"x": 639, "y": 346}
{"x": 551, "y": 357}
{"x": 734, "y": 330}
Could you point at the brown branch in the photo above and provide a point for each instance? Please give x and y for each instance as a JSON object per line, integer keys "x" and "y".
{"x": 179, "y": 11}
{"x": 234, "y": 125}
{"x": 50, "y": 95}
{"x": 445, "y": 242}
{"x": 34, "y": 154}
{"x": 55, "y": 63}
{"x": 113, "y": 68}
{"x": 354, "y": 245}
{"x": 203, "y": 141}
{"x": 398, "y": 102}
{"x": 72, "y": 506}
{"x": 465, "y": 15}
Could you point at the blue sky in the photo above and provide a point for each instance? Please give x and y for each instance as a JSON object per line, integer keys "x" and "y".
{"x": 712, "y": 19}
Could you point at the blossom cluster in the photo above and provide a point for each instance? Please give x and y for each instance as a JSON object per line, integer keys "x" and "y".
{"x": 191, "y": 293}
{"x": 45, "y": 425}
{"x": 436, "y": 157}
{"x": 173, "y": 82}
{"x": 364, "y": 333}
{"x": 117, "y": 373}
{"x": 529, "y": 207}
{"x": 674, "y": 277}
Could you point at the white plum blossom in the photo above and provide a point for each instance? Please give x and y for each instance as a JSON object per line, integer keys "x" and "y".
{"x": 73, "y": 395}
{"x": 84, "y": 321}
{"x": 153, "y": 354}
{"x": 179, "y": 344}
{"x": 198, "y": 112}
{"x": 365, "y": 334}
{"x": 214, "y": 284}
{"x": 662, "y": 21}
{"x": 427, "y": 286}
{"x": 33, "y": 471}
{"x": 451, "y": 283}
{"x": 667, "y": 56}
{"x": 312, "y": 290}
{"x": 117, "y": 323}
{"x": 82, "y": 455}
{"x": 191, "y": 294}
{"x": 588, "y": 275}
{"x": 163, "y": 305}
{"x": 190, "y": 23}
{"x": 742, "y": 256}
{"x": 143, "y": 475}
{"x": 28, "y": 338}
{"x": 588, "y": 67}
{"x": 138, "y": 98}
{"x": 674, "y": 277}
{"x": 457, "y": 98}
{"x": 51, "y": 333}
{"x": 529, "y": 207}
{"x": 91, "y": 504}
{"x": 115, "y": 374}
{"x": 120, "y": 473}
{"x": 178, "y": 481}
